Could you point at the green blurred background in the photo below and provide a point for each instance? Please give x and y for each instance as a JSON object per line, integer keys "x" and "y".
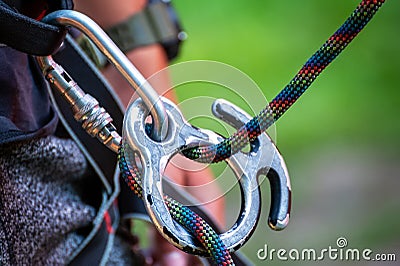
{"x": 340, "y": 140}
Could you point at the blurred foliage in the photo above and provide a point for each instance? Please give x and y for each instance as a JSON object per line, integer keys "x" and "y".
{"x": 352, "y": 107}
{"x": 356, "y": 97}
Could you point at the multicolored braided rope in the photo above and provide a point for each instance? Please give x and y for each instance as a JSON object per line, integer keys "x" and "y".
{"x": 296, "y": 87}
{"x": 251, "y": 130}
{"x": 190, "y": 220}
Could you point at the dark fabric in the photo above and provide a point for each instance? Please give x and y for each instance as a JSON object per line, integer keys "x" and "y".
{"x": 43, "y": 210}
{"x": 39, "y": 6}
{"x": 25, "y": 110}
{"x": 48, "y": 208}
{"x": 61, "y": 4}
{"x": 27, "y": 34}
{"x": 37, "y": 9}
{"x": 40, "y": 207}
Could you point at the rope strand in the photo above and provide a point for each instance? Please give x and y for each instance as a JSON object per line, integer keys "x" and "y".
{"x": 296, "y": 87}
{"x": 190, "y": 220}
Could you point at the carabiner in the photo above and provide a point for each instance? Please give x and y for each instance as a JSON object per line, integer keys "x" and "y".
{"x": 155, "y": 156}
{"x": 86, "y": 109}
{"x": 120, "y": 61}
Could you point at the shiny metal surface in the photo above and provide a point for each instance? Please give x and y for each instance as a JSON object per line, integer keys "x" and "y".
{"x": 119, "y": 60}
{"x": 86, "y": 109}
{"x": 154, "y": 158}
{"x": 264, "y": 159}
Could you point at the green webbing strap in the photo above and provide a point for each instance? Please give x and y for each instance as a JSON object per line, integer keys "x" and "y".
{"x": 153, "y": 24}
{"x": 134, "y": 32}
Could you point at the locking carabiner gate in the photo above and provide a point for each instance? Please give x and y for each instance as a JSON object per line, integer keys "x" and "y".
{"x": 86, "y": 109}
{"x": 117, "y": 58}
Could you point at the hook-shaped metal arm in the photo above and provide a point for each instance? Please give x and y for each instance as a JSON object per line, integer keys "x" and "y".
{"x": 265, "y": 160}
{"x": 155, "y": 156}
{"x": 93, "y": 31}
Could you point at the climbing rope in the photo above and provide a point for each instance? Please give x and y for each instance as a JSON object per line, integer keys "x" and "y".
{"x": 296, "y": 87}
{"x": 190, "y": 220}
{"x": 252, "y": 129}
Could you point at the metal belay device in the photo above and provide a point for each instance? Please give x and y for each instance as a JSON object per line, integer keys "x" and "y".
{"x": 263, "y": 158}
{"x": 157, "y": 143}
